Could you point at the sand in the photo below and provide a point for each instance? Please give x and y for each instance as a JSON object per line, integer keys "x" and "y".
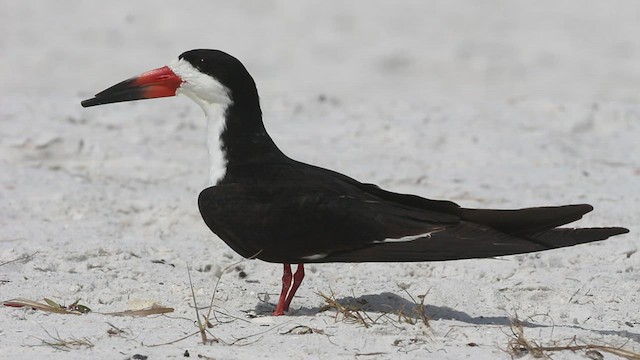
{"x": 489, "y": 104}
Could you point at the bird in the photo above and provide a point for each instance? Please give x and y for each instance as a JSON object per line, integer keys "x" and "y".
{"x": 266, "y": 205}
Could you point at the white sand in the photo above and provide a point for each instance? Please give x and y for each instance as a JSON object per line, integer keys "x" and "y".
{"x": 490, "y": 104}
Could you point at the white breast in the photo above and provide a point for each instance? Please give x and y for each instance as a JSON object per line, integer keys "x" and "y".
{"x": 216, "y": 123}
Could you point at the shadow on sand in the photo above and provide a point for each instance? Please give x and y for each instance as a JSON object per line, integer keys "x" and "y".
{"x": 392, "y": 304}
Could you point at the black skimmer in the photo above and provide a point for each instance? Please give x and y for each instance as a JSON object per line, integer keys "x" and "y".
{"x": 263, "y": 204}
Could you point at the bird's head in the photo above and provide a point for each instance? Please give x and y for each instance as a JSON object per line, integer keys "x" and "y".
{"x": 206, "y": 76}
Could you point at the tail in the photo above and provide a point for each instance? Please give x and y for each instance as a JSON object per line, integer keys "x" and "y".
{"x": 563, "y": 237}
{"x": 539, "y": 224}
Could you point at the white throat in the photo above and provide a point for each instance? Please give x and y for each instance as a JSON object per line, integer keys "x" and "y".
{"x": 216, "y": 123}
{"x": 214, "y": 99}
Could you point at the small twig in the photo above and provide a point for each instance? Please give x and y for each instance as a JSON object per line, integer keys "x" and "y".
{"x": 519, "y": 345}
{"x": 235, "y": 342}
{"x": 174, "y": 341}
{"x": 114, "y": 330}
{"x": 574, "y": 294}
{"x": 25, "y": 257}
{"x": 371, "y": 354}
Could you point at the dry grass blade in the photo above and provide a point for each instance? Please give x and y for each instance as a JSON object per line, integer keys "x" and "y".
{"x": 203, "y": 322}
{"x": 520, "y": 346}
{"x": 215, "y": 288}
{"x": 355, "y": 313}
{"x": 68, "y": 344}
{"x": 77, "y": 309}
{"x": 349, "y": 312}
{"x": 58, "y": 343}
{"x": 49, "y": 306}
{"x": 202, "y": 327}
{"x": 154, "y": 309}
{"x": 418, "y": 309}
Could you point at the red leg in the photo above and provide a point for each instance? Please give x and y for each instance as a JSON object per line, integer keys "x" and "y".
{"x": 297, "y": 280}
{"x": 286, "y": 284}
